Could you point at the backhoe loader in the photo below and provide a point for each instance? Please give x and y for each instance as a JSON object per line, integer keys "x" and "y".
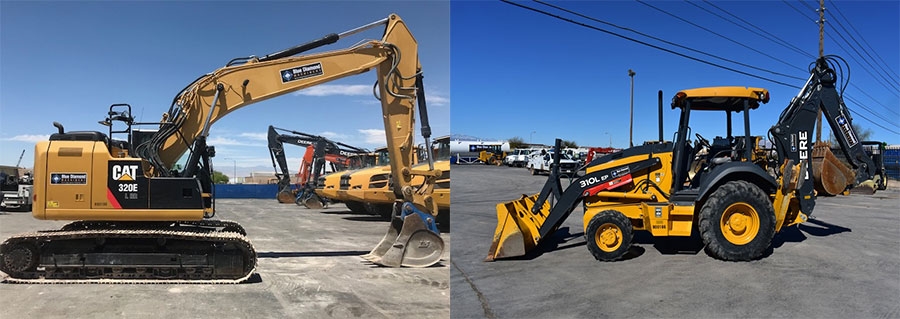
{"x": 142, "y": 220}
{"x": 731, "y": 201}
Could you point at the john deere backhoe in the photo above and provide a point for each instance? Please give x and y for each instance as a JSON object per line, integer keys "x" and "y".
{"x": 319, "y": 151}
{"x": 731, "y": 200}
{"x": 140, "y": 219}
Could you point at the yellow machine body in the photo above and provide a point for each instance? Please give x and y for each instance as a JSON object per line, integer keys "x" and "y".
{"x": 72, "y": 180}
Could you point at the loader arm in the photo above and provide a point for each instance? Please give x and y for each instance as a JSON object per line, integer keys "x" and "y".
{"x": 793, "y": 131}
{"x": 514, "y": 236}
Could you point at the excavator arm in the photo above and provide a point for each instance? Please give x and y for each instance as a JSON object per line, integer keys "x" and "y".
{"x": 319, "y": 150}
{"x": 792, "y": 134}
{"x": 399, "y": 87}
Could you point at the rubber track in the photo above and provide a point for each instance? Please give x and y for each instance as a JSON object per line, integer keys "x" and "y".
{"x": 132, "y": 233}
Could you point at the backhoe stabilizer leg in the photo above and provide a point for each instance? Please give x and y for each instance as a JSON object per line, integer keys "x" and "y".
{"x": 411, "y": 241}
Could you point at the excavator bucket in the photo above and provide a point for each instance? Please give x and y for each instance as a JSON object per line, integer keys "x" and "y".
{"x": 831, "y": 176}
{"x": 313, "y": 201}
{"x": 285, "y": 196}
{"x": 412, "y": 240}
{"x": 518, "y": 228}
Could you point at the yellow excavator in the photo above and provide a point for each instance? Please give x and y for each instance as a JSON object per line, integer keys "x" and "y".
{"x": 734, "y": 204}
{"x": 139, "y": 219}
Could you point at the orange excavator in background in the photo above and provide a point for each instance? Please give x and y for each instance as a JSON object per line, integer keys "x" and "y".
{"x": 319, "y": 152}
{"x": 139, "y": 219}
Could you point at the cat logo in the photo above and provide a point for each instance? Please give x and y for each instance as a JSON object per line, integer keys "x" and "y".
{"x": 124, "y": 172}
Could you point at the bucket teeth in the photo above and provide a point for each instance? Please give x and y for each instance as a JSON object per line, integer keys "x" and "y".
{"x": 407, "y": 243}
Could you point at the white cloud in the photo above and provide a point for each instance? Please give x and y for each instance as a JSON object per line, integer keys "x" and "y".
{"x": 225, "y": 141}
{"x": 333, "y": 135}
{"x": 374, "y": 136}
{"x": 28, "y": 138}
{"x": 436, "y": 100}
{"x": 336, "y": 89}
{"x": 256, "y": 136}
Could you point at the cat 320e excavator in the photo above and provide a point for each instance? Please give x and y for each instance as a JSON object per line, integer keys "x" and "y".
{"x": 734, "y": 203}
{"x": 138, "y": 219}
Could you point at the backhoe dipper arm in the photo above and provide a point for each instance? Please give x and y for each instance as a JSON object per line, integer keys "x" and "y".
{"x": 793, "y": 132}
{"x": 227, "y": 89}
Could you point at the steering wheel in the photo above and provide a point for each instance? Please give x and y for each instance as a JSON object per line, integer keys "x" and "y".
{"x": 702, "y": 141}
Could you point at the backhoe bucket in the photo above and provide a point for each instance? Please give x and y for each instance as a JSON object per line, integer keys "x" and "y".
{"x": 411, "y": 241}
{"x": 830, "y": 175}
{"x": 518, "y": 229}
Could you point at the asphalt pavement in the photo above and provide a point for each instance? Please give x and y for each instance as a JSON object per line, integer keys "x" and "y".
{"x": 842, "y": 263}
{"x": 308, "y": 267}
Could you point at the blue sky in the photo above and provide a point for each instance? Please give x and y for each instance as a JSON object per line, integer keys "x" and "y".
{"x": 68, "y": 61}
{"x": 515, "y": 72}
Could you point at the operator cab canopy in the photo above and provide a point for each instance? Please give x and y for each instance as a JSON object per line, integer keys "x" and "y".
{"x": 721, "y": 98}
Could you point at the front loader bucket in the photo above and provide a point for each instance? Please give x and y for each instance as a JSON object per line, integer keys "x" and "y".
{"x": 409, "y": 242}
{"x": 830, "y": 175}
{"x": 518, "y": 228}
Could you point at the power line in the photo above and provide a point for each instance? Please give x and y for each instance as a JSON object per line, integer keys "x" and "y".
{"x": 667, "y": 42}
{"x": 862, "y": 48}
{"x": 769, "y": 37}
{"x": 890, "y": 89}
{"x": 649, "y": 45}
{"x": 722, "y": 36}
{"x": 866, "y": 118}
{"x": 863, "y": 58}
{"x": 839, "y": 45}
{"x": 798, "y": 10}
{"x": 833, "y": 4}
{"x": 677, "y": 53}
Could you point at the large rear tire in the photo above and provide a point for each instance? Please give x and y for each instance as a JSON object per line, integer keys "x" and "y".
{"x": 737, "y": 222}
{"x": 608, "y": 235}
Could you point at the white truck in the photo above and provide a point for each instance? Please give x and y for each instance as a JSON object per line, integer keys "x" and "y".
{"x": 518, "y": 157}
{"x": 16, "y": 189}
{"x": 539, "y": 162}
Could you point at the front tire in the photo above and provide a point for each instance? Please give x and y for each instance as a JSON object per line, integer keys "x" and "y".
{"x": 608, "y": 235}
{"x": 737, "y": 222}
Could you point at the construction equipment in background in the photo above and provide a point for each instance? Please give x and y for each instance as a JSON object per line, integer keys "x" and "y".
{"x": 15, "y": 187}
{"x": 141, "y": 219}
{"x": 373, "y": 189}
{"x": 539, "y": 162}
{"x": 518, "y": 157}
{"x": 471, "y": 152}
{"x": 319, "y": 152}
{"x": 734, "y": 203}
{"x": 334, "y": 186}
{"x": 595, "y": 152}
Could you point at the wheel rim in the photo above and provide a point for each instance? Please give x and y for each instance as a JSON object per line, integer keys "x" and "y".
{"x": 739, "y": 223}
{"x": 608, "y": 237}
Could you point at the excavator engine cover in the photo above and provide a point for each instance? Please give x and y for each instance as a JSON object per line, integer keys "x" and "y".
{"x": 830, "y": 175}
{"x": 411, "y": 241}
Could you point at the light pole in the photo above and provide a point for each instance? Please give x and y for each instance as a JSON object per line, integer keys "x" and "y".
{"x": 610, "y": 138}
{"x": 531, "y": 137}
{"x": 233, "y": 170}
{"x": 631, "y": 118}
